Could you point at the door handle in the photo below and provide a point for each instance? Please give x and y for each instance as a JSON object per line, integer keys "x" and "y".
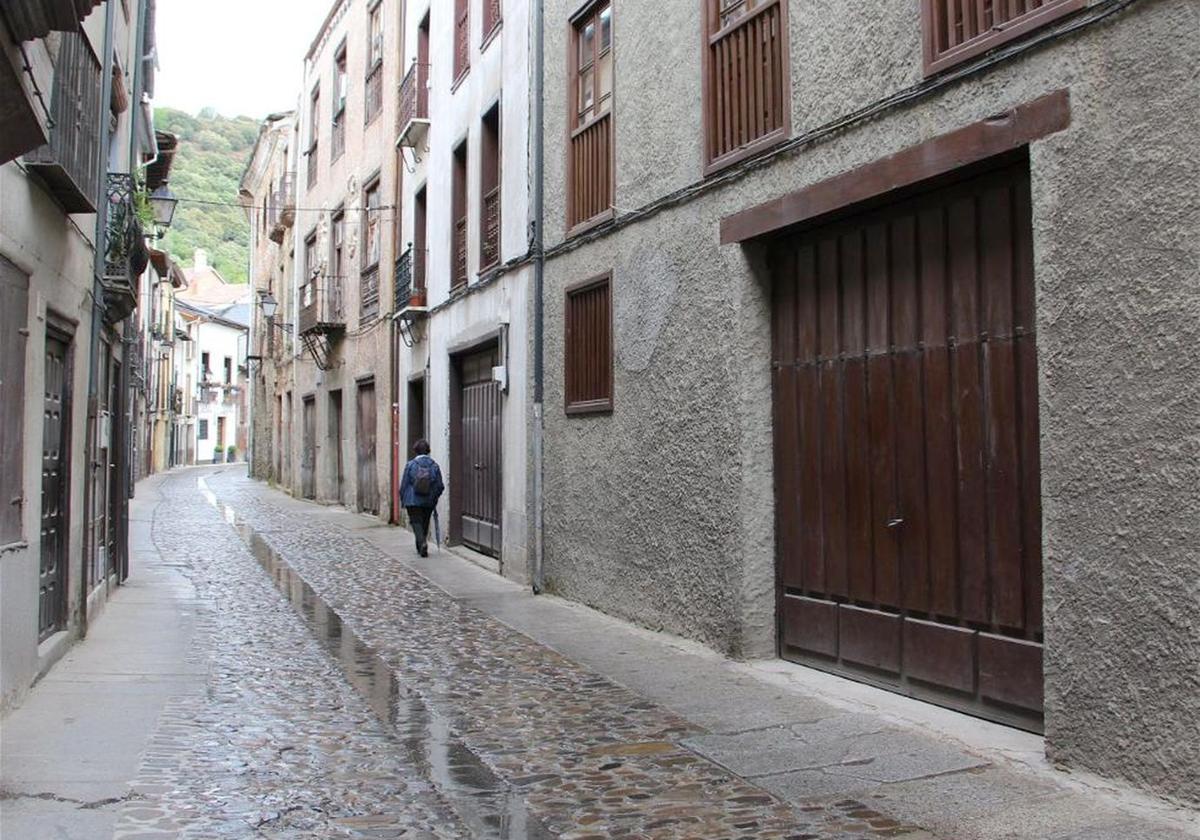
{"x": 896, "y": 523}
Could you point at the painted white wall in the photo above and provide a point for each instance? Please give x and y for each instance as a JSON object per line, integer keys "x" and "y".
{"x": 221, "y": 342}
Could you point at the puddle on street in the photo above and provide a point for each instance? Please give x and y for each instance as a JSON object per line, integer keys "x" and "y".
{"x": 486, "y": 806}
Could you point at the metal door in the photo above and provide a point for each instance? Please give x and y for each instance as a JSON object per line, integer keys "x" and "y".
{"x": 368, "y": 483}
{"x": 56, "y": 464}
{"x": 480, "y": 464}
{"x": 906, "y": 448}
{"x": 308, "y": 472}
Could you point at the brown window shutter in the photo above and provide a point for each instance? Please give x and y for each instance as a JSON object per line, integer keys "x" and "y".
{"x": 588, "y": 357}
{"x": 590, "y": 172}
{"x": 958, "y": 30}
{"x": 489, "y": 188}
{"x": 462, "y": 38}
{"x": 747, "y": 89}
{"x": 458, "y": 230}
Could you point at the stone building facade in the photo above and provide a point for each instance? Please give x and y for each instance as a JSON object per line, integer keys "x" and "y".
{"x": 769, "y": 165}
{"x": 77, "y": 148}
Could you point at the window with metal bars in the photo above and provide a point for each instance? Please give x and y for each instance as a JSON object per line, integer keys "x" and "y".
{"x": 747, "y": 85}
{"x": 458, "y": 218}
{"x": 314, "y": 133}
{"x": 957, "y": 30}
{"x": 489, "y": 190}
{"x": 588, "y": 347}
{"x": 590, "y": 152}
{"x": 462, "y": 39}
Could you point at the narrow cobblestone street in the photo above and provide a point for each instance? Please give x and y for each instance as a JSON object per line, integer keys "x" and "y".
{"x": 343, "y": 692}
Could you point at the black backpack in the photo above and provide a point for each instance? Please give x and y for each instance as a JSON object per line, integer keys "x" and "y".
{"x": 423, "y": 478}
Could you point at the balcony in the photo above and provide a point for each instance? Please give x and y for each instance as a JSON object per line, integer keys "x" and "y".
{"x": 413, "y": 119}
{"x": 125, "y": 253}
{"x": 322, "y": 306}
{"x": 281, "y": 209}
{"x": 69, "y": 163}
{"x": 410, "y": 282}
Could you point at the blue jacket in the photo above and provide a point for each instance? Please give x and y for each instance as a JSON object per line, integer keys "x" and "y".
{"x": 409, "y": 497}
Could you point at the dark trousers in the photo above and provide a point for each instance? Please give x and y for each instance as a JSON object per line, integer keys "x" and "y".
{"x": 419, "y": 517}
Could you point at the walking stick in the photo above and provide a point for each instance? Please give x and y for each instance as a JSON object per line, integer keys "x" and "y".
{"x": 437, "y": 530}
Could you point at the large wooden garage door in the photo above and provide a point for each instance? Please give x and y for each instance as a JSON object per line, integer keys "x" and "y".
{"x": 906, "y": 448}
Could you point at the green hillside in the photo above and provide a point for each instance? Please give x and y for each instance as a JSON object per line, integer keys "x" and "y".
{"x": 208, "y": 166}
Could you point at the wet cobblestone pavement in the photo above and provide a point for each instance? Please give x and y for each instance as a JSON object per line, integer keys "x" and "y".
{"x": 350, "y": 697}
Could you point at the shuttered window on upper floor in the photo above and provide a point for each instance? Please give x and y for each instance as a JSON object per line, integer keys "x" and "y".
{"x": 747, "y": 84}
{"x": 590, "y": 152}
{"x": 462, "y": 39}
{"x": 489, "y": 190}
{"x": 957, "y": 30}
{"x": 588, "y": 353}
{"x": 491, "y": 20}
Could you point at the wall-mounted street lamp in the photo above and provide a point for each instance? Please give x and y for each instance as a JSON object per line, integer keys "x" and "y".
{"x": 163, "y": 203}
{"x": 269, "y": 306}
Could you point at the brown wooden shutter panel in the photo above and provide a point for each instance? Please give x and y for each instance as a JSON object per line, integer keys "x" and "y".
{"x": 462, "y": 37}
{"x": 747, "y": 85}
{"x": 956, "y": 30}
{"x": 589, "y": 372}
{"x": 489, "y": 224}
{"x": 458, "y": 252}
{"x": 14, "y": 308}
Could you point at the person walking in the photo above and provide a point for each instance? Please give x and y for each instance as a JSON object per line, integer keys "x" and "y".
{"x": 420, "y": 488}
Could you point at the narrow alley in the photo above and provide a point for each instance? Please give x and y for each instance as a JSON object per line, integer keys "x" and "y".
{"x": 305, "y": 674}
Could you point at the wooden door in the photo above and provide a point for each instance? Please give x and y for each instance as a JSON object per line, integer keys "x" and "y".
{"x": 308, "y": 450}
{"x": 56, "y": 483}
{"x": 479, "y": 466}
{"x": 906, "y": 448}
{"x": 368, "y": 483}
{"x": 335, "y": 442}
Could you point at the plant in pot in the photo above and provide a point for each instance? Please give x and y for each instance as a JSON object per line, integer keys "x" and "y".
{"x": 231, "y": 452}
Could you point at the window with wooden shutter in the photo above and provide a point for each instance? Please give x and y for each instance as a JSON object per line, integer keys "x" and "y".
{"x": 747, "y": 84}
{"x": 588, "y": 355}
{"x": 489, "y": 190}
{"x": 956, "y": 30}
{"x": 458, "y": 218}
{"x": 373, "y": 94}
{"x": 372, "y": 233}
{"x": 14, "y": 309}
{"x": 337, "y": 265}
{"x": 462, "y": 39}
{"x": 338, "y": 141}
{"x": 590, "y": 153}
{"x": 314, "y": 134}
{"x": 491, "y": 21}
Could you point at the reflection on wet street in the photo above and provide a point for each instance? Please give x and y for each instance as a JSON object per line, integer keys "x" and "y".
{"x": 484, "y": 804}
{"x": 349, "y": 697}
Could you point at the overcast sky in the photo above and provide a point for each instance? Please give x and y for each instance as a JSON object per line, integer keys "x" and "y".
{"x": 241, "y": 57}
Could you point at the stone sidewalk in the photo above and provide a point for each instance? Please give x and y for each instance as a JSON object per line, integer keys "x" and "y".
{"x": 817, "y": 743}
{"x": 281, "y": 669}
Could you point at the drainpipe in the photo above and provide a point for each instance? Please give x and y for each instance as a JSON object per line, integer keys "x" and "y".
{"x": 101, "y": 239}
{"x": 539, "y": 265}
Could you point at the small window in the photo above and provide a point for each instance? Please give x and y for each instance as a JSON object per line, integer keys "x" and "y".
{"x": 590, "y": 155}
{"x": 228, "y": 371}
{"x": 337, "y": 262}
{"x": 203, "y": 432}
{"x": 489, "y": 188}
{"x": 205, "y": 368}
{"x": 747, "y": 91}
{"x": 589, "y": 369}
{"x": 462, "y": 39}
{"x": 956, "y": 31}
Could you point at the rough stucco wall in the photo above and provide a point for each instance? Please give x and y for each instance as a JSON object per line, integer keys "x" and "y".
{"x": 663, "y": 512}
{"x": 1116, "y": 224}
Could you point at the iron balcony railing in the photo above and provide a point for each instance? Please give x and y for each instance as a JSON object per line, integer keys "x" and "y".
{"x": 125, "y": 253}
{"x": 413, "y": 114}
{"x": 410, "y": 279}
{"x": 322, "y": 306}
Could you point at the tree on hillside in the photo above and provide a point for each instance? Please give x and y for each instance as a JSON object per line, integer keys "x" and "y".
{"x": 212, "y": 154}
